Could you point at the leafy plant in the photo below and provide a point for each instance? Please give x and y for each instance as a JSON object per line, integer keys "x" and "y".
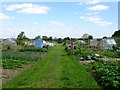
{"x": 112, "y": 54}
{"x": 107, "y": 74}
{"x": 12, "y": 64}
{"x": 29, "y": 56}
{"x": 32, "y": 49}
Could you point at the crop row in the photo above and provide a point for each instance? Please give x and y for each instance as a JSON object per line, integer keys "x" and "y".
{"x": 32, "y": 49}
{"x": 107, "y": 74}
{"x": 12, "y": 64}
{"x": 30, "y": 56}
{"x": 85, "y": 51}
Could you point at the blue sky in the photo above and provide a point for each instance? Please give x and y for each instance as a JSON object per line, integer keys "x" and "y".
{"x": 58, "y": 19}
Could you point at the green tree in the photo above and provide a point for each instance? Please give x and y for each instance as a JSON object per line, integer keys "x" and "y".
{"x": 116, "y": 34}
{"x": 60, "y": 40}
{"x": 66, "y": 38}
{"x": 105, "y": 37}
{"x": 90, "y": 37}
{"x": 50, "y": 38}
{"x": 21, "y": 38}
{"x": 45, "y": 38}
{"x": 38, "y": 37}
{"x": 21, "y": 35}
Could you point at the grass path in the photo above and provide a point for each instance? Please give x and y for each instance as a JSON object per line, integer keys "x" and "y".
{"x": 55, "y": 70}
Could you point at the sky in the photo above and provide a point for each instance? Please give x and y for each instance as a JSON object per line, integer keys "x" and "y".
{"x": 119, "y": 15}
{"x": 58, "y": 19}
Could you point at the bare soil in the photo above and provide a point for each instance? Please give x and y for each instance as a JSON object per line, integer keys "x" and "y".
{"x": 104, "y": 59}
{"x": 111, "y": 59}
{"x": 8, "y": 74}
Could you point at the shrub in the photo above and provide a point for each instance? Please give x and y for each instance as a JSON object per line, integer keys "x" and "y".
{"x": 110, "y": 54}
{"x": 107, "y": 74}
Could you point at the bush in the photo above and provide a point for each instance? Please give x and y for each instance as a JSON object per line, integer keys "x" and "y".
{"x": 107, "y": 74}
{"x": 110, "y": 54}
{"x": 118, "y": 54}
{"x": 84, "y": 52}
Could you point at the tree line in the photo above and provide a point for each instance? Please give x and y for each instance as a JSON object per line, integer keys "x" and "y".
{"x": 21, "y": 38}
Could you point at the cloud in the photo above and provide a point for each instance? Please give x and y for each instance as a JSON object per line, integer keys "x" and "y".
{"x": 90, "y": 2}
{"x": 57, "y": 23}
{"x": 92, "y": 13}
{"x": 3, "y": 16}
{"x": 28, "y": 8}
{"x": 35, "y": 23}
{"x": 96, "y": 20}
{"x": 96, "y": 2}
{"x": 98, "y": 7}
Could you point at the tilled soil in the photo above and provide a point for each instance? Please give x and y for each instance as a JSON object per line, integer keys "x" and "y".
{"x": 8, "y": 74}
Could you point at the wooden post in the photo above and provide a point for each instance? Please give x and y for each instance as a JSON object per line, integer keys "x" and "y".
{"x": 72, "y": 46}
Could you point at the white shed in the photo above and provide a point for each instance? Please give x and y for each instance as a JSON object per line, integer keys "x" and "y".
{"x": 81, "y": 42}
{"x": 44, "y": 43}
{"x": 107, "y": 44}
{"x": 9, "y": 42}
{"x": 50, "y": 44}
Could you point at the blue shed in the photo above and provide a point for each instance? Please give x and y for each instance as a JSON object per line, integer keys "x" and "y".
{"x": 38, "y": 43}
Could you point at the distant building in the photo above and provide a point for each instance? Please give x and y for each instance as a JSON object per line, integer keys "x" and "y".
{"x": 85, "y": 36}
{"x": 38, "y": 43}
{"x": 94, "y": 42}
{"x": 44, "y": 43}
{"x": 50, "y": 44}
{"x": 107, "y": 44}
{"x": 81, "y": 42}
{"x": 8, "y": 42}
{"x": 1, "y": 41}
{"x": 30, "y": 42}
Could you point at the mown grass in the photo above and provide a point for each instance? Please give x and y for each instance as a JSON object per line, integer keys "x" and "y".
{"x": 55, "y": 70}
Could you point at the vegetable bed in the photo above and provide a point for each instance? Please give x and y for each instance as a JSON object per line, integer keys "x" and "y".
{"x": 107, "y": 74}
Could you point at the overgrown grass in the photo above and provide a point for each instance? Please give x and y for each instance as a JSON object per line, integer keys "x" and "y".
{"x": 56, "y": 70}
{"x": 112, "y": 54}
{"x": 15, "y": 55}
